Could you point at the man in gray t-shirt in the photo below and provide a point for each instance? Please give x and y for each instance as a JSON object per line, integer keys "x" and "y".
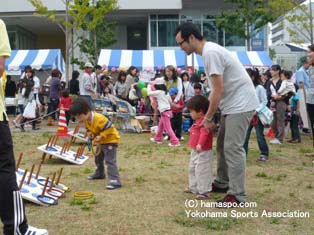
{"x": 233, "y": 92}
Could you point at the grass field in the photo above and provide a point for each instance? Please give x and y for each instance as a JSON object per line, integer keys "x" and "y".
{"x": 152, "y": 201}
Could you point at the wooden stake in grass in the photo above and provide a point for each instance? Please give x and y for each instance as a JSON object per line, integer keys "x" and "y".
{"x": 38, "y": 170}
{"x": 59, "y": 176}
{"x": 52, "y": 180}
{"x": 19, "y": 161}
{"x": 23, "y": 178}
{"x": 69, "y": 145}
{"x": 43, "y": 157}
{"x": 48, "y": 143}
{"x": 30, "y": 174}
{"x": 76, "y": 129}
{"x": 44, "y": 189}
{"x": 55, "y": 138}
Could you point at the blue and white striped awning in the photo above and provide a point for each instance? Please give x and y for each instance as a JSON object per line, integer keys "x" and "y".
{"x": 38, "y": 59}
{"x": 246, "y": 58}
{"x": 142, "y": 59}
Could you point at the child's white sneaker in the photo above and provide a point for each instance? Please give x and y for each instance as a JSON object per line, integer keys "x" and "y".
{"x": 174, "y": 145}
{"x": 36, "y": 231}
{"x": 155, "y": 141}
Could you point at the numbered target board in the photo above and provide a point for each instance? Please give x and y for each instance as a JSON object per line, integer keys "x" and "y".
{"x": 69, "y": 155}
{"x": 32, "y": 189}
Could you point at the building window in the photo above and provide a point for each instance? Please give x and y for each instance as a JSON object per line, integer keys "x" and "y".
{"x": 153, "y": 33}
{"x": 162, "y": 28}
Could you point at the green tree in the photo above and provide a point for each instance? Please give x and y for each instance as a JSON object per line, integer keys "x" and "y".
{"x": 247, "y": 17}
{"x": 83, "y": 15}
{"x": 301, "y": 23}
{"x": 272, "y": 53}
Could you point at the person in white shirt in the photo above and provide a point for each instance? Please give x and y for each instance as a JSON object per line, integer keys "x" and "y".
{"x": 86, "y": 85}
{"x": 233, "y": 92}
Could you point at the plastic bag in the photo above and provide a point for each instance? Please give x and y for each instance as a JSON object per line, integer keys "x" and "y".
{"x": 30, "y": 110}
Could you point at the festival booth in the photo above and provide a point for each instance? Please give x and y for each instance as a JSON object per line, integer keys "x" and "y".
{"x": 151, "y": 60}
{"x": 43, "y": 61}
{"x": 258, "y": 59}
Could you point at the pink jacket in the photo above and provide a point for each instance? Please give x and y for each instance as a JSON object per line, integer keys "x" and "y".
{"x": 200, "y": 135}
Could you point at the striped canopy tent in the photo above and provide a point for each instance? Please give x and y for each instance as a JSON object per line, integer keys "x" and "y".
{"x": 44, "y": 59}
{"x": 246, "y": 58}
{"x": 141, "y": 59}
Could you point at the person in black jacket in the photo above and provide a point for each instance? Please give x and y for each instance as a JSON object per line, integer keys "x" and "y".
{"x": 74, "y": 83}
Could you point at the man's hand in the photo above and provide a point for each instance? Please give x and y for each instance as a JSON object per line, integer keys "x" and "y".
{"x": 208, "y": 125}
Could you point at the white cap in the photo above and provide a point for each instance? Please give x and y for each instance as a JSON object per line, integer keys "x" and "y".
{"x": 88, "y": 65}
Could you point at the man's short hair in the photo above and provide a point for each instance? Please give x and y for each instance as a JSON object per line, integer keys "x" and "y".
{"x": 188, "y": 29}
{"x": 98, "y": 67}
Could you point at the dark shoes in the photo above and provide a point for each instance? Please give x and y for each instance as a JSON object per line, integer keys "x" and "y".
{"x": 96, "y": 176}
{"x": 229, "y": 201}
{"x": 113, "y": 184}
{"x": 294, "y": 141}
{"x": 216, "y": 189}
{"x": 36, "y": 128}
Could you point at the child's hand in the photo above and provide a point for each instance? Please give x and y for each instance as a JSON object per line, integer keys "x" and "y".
{"x": 198, "y": 148}
{"x": 98, "y": 138}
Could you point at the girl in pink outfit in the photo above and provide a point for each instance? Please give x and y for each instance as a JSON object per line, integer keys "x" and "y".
{"x": 163, "y": 102}
{"x": 201, "y": 142}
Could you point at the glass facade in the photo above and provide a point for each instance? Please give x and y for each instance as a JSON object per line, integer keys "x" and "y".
{"x": 162, "y": 28}
{"x": 21, "y": 38}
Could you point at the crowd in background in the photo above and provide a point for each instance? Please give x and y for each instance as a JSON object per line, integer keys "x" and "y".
{"x": 96, "y": 83}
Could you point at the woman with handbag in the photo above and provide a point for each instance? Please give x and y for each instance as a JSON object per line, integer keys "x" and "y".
{"x": 30, "y": 102}
{"x": 256, "y": 122}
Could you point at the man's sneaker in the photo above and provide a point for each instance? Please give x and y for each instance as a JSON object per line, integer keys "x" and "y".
{"x": 275, "y": 141}
{"x": 229, "y": 201}
{"x": 262, "y": 158}
{"x": 166, "y": 137}
{"x": 113, "y": 184}
{"x": 174, "y": 145}
{"x": 96, "y": 176}
{"x": 182, "y": 138}
{"x": 155, "y": 141}
{"x": 35, "y": 231}
{"x": 216, "y": 189}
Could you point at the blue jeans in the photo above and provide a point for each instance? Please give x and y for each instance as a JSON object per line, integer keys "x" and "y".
{"x": 262, "y": 144}
{"x": 294, "y": 126}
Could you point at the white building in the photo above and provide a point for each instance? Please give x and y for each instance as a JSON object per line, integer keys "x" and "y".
{"x": 280, "y": 35}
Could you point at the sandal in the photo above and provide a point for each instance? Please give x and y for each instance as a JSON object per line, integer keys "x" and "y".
{"x": 202, "y": 196}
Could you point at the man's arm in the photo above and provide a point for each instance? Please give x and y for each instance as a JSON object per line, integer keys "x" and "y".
{"x": 5, "y": 50}
{"x": 214, "y": 100}
{"x": 2, "y": 64}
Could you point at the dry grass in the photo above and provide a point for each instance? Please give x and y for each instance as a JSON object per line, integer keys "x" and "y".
{"x": 151, "y": 200}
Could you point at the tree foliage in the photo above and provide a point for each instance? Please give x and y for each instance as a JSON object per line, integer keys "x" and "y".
{"x": 98, "y": 32}
{"x": 301, "y": 24}
{"x": 247, "y": 17}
